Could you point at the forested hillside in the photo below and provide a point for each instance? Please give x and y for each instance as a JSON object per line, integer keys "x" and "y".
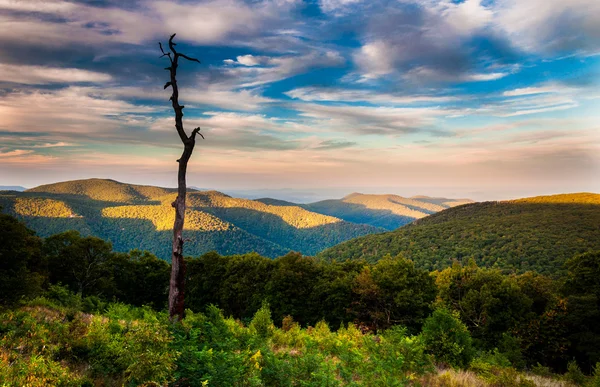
{"x": 135, "y": 216}
{"x": 75, "y": 313}
{"x": 538, "y": 233}
{"x": 387, "y": 211}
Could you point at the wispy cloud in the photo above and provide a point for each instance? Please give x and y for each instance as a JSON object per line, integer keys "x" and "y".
{"x": 40, "y": 75}
{"x": 273, "y": 69}
{"x": 361, "y": 95}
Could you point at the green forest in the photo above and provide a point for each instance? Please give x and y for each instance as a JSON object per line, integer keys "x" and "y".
{"x": 75, "y": 312}
{"x": 534, "y": 234}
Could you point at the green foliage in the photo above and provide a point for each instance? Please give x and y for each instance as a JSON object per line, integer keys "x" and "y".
{"x": 488, "y": 302}
{"x": 45, "y": 344}
{"x": 290, "y": 288}
{"x": 21, "y": 266}
{"x": 582, "y": 289}
{"x": 448, "y": 339}
{"x": 595, "y": 380}
{"x": 496, "y": 370}
{"x": 510, "y": 347}
{"x": 393, "y": 292}
{"x": 538, "y": 234}
{"x": 262, "y": 325}
{"x": 130, "y": 346}
{"x": 342, "y": 323}
{"x": 574, "y": 374}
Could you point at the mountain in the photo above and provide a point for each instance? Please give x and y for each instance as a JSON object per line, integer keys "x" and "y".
{"x": 139, "y": 216}
{"x": 386, "y": 211}
{"x": 537, "y": 233}
{"x": 12, "y": 188}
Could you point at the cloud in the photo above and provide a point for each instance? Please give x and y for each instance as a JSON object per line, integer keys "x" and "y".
{"x": 59, "y": 144}
{"x": 532, "y": 90}
{"x": 428, "y": 74}
{"x": 534, "y": 100}
{"x": 39, "y": 75}
{"x": 337, "y": 7}
{"x": 236, "y": 131}
{"x": 208, "y": 22}
{"x": 429, "y": 42}
{"x": 376, "y": 58}
{"x": 74, "y": 113}
{"x": 73, "y": 23}
{"x": 278, "y": 68}
{"x": 15, "y": 153}
{"x": 334, "y": 144}
{"x": 551, "y": 26}
{"x": 362, "y": 95}
{"x": 201, "y": 93}
{"x": 372, "y": 120}
{"x": 249, "y": 60}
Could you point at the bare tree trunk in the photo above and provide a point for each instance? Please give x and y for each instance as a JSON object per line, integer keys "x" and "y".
{"x": 177, "y": 283}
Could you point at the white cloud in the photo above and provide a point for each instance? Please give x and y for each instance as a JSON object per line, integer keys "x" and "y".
{"x": 353, "y": 95}
{"x": 197, "y": 94}
{"x": 531, "y": 90}
{"x": 337, "y": 7}
{"x": 426, "y": 41}
{"x": 208, "y": 22}
{"x": 281, "y": 67}
{"x": 372, "y": 120}
{"x": 249, "y": 60}
{"x": 74, "y": 109}
{"x": 463, "y": 19}
{"x": 59, "y": 144}
{"x": 484, "y": 77}
{"x": 548, "y": 26}
{"x": 425, "y": 74}
{"x": 15, "y": 153}
{"x": 376, "y": 59}
{"x": 39, "y": 75}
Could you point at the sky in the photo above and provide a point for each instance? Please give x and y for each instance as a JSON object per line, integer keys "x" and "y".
{"x": 485, "y": 99}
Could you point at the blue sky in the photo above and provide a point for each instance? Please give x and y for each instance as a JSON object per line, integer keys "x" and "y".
{"x": 476, "y": 98}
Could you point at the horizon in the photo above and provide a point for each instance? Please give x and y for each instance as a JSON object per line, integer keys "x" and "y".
{"x": 472, "y": 99}
{"x": 305, "y": 196}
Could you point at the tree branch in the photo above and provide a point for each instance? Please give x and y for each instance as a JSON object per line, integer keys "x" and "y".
{"x": 195, "y": 132}
{"x": 188, "y": 58}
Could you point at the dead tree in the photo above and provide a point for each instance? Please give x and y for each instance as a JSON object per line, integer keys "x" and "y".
{"x": 177, "y": 284}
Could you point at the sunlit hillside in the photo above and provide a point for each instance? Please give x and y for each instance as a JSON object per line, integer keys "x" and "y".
{"x": 134, "y": 216}
{"x": 537, "y": 233}
{"x": 387, "y": 211}
{"x": 105, "y": 190}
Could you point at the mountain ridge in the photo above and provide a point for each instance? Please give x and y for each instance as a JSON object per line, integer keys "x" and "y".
{"x": 530, "y": 233}
{"x": 140, "y": 216}
{"x": 388, "y": 211}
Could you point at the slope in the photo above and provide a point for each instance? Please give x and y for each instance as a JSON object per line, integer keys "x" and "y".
{"x": 528, "y": 234}
{"x": 386, "y": 211}
{"x": 134, "y": 216}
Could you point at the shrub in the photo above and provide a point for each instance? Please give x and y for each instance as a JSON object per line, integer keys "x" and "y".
{"x": 447, "y": 339}
{"x": 574, "y": 374}
{"x": 262, "y": 324}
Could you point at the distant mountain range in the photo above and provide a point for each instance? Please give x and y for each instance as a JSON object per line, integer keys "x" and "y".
{"x": 12, "y": 188}
{"x": 386, "y": 211}
{"x": 137, "y": 216}
{"x": 538, "y": 233}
